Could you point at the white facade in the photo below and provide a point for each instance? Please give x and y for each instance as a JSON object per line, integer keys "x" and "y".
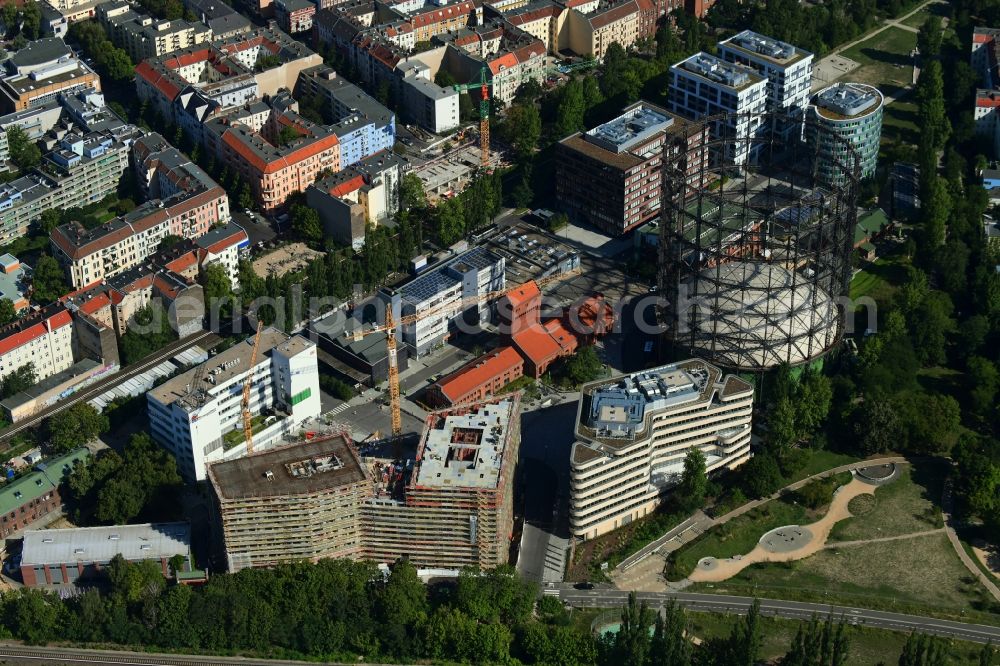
{"x": 190, "y": 414}
{"x": 788, "y": 71}
{"x": 43, "y": 339}
{"x": 634, "y": 432}
{"x": 446, "y": 291}
{"x": 429, "y": 105}
{"x": 704, "y": 85}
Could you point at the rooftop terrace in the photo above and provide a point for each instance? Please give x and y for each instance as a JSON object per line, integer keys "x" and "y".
{"x": 630, "y": 129}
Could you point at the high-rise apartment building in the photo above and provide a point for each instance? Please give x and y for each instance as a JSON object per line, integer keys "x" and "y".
{"x": 704, "y": 85}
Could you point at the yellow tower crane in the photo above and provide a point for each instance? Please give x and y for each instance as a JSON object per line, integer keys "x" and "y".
{"x": 247, "y": 383}
{"x": 389, "y": 328}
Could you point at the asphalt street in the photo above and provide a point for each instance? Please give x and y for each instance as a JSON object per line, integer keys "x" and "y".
{"x": 793, "y": 610}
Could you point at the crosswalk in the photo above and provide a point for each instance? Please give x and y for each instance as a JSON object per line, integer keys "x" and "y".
{"x": 338, "y": 409}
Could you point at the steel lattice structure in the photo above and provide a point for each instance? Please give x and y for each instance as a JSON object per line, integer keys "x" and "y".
{"x": 755, "y": 262}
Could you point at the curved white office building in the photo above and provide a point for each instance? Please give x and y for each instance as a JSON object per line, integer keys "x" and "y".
{"x": 633, "y": 433}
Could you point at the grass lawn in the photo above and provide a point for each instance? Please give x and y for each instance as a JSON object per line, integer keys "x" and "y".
{"x": 922, "y": 575}
{"x": 739, "y": 536}
{"x": 939, "y": 379}
{"x": 820, "y": 461}
{"x": 908, "y": 504}
{"x": 881, "y": 278}
{"x": 868, "y": 646}
{"x": 884, "y": 60}
{"x": 917, "y": 20}
{"x": 899, "y": 122}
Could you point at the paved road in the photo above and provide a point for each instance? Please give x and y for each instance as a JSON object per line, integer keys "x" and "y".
{"x": 794, "y": 610}
{"x": 114, "y": 380}
{"x": 16, "y": 654}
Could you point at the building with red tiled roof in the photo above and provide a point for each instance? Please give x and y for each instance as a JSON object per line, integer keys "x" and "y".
{"x": 478, "y": 380}
{"x": 43, "y": 339}
{"x": 187, "y": 203}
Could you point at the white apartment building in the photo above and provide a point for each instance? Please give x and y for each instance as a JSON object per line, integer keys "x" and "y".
{"x": 427, "y": 104}
{"x": 43, "y": 338}
{"x": 449, "y": 291}
{"x": 192, "y": 414}
{"x": 704, "y": 85}
{"x": 143, "y": 36}
{"x": 634, "y": 432}
{"x": 788, "y": 71}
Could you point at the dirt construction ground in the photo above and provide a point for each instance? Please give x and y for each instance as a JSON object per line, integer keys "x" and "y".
{"x": 285, "y": 259}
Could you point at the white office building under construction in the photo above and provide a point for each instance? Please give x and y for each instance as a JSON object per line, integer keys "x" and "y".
{"x": 198, "y": 417}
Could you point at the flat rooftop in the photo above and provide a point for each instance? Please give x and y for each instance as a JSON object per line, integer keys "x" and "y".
{"x": 633, "y": 127}
{"x": 762, "y": 47}
{"x": 847, "y": 100}
{"x": 719, "y": 71}
{"x": 464, "y": 447}
{"x": 187, "y": 388}
{"x": 150, "y": 541}
{"x": 300, "y": 469}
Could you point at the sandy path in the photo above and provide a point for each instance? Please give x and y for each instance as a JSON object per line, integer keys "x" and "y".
{"x": 898, "y": 537}
{"x": 987, "y": 556}
{"x": 820, "y": 530}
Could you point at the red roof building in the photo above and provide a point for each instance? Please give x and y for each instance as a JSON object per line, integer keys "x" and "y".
{"x": 478, "y": 380}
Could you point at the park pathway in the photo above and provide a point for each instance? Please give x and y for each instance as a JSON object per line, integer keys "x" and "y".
{"x": 898, "y": 537}
{"x": 959, "y": 549}
{"x": 642, "y": 572}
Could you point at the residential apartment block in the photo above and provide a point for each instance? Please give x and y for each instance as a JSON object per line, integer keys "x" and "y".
{"x": 295, "y": 15}
{"x": 362, "y": 194}
{"x": 34, "y": 122}
{"x": 294, "y": 503}
{"x": 228, "y": 72}
{"x": 634, "y": 432}
{"x": 612, "y": 176}
{"x": 478, "y": 380}
{"x": 424, "y": 102}
{"x": 446, "y": 290}
{"x": 984, "y": 59}
{"x": 788, "y": 71}
{"x": 704, "y": 85}
{"x": 83, "y": 169}
{"x": 143, "y": 36}
{"x": 40, "y": 71}
{"x": 191, "y": 414}
{"x": 186, "y": 203}
{"x": 592, "y": 27}
{"x": 43, "y": 338}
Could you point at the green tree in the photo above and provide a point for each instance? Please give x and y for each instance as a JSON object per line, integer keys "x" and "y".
{"x": 7, "y": 312}
{"x": 246, "y": 196}
{"x": 930, "y": 37}
{"x": 746, "y": 637}
{"x": 75, "y": 427}
{"x": 762, "y": 475}
{"x": 570, "y": 109}
{"x": 132, "y": 581}
{"x": 583, "y": 366}
{"x": 49, "y": 220}
{"x": 306, "y": 223}
{"x": 522, "y": 128}
{"x": 819, "y": 644}
{"x": 20, "y": 380}
{"x": 449, "y": 221}
{"x": 216, "y": 284}
{"x": 411, "y": 192}
{"x": 922, "y": 650}
{"x": 878, "y": 427}
{"x": 669, "y": 645}
{"x": 287, "y": 135}
{"x": 33, "y": 615}
{"x": 23, "y": 151}
{"x": 48, "y": 282}
{"x": 694, "y": 480}
{"x": 782, "y": 431}
{"x": 630, "y": 646}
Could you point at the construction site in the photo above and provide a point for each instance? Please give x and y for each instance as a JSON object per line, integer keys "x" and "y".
{"x": 448, "y": 507}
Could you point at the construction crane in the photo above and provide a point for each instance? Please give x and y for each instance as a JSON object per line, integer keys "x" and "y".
{"x": 483, "y": 84}
{"x": 389, "y": 328}
{"x": 247, "y": 383}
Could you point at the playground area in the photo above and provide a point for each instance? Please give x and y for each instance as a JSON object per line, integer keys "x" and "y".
{"x": 286, "y": 259}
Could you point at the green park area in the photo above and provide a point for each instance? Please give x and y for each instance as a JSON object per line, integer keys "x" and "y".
{"x": 880, "y": 279}
{"x": 892, "y": 554}
{"x": 939, "y": 9}
{"x": 884, "y": 60}
{"x": 899, "y": 122}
